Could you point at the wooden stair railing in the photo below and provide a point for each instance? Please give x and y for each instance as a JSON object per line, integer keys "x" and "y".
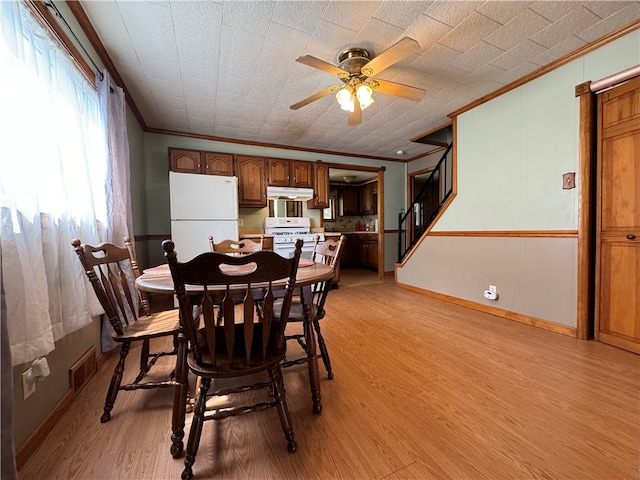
{"x": 425, "y": 207}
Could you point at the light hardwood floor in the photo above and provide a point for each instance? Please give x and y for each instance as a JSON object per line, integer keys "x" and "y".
{"x": 355, "y": 277}
{"x": 423, "y": 389}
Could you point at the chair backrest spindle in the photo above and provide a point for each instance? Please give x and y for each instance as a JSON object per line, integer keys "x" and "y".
{"x": 330, "y": 251}
{"x": 236, "y": 293}
{"x": 236, "y": 247}
{"x": 106, "y": 266}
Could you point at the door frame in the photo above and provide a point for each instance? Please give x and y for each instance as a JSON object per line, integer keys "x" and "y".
{"x": 587, "y": 197}
{"x": 380, "y": 206}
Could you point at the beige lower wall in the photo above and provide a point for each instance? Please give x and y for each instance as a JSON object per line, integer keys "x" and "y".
{"x": 534, "y": 276}
{"x": 30, "y": 413}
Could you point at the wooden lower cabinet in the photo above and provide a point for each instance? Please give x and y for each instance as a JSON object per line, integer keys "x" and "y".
{"x": 370, "y": 251}
{"x": 267, "y": 243}
{"x": 361, "y": 250}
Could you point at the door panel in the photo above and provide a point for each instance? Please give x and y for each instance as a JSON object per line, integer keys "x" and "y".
{"x": 621, "y": 182}
{"x": 618, "y": 220}
{"x": 620, "y": 301}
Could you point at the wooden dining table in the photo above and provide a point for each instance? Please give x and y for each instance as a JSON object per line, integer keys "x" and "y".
{"x": 158, "y": 280}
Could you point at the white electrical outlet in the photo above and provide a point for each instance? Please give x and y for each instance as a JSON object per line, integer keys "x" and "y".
{"x": 28, "y": 383}
{"x": 492, "y": 293}
{"x": 240, "y": 222}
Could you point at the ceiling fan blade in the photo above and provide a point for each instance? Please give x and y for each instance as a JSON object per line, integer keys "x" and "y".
{"x": 315, "y": 96}
{"x": 391, "y": 55}
{"x": 321, "y": 65}
{"x": 397, "y": 89}
{"x": 355, "y": 117}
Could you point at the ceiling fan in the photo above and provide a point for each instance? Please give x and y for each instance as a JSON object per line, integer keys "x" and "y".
{"x": 355, "y": 69}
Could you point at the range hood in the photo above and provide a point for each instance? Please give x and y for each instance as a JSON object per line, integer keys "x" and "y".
{"x": 290, "y": 193}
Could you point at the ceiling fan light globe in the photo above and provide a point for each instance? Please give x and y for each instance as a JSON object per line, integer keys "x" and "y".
{"x": 349, "y": 107}
{"x": 365, "y": 102}
{"x": 365, "y": 96}
{"x": 343, "y": 96}
{"x": 345, "y": 99}
{"x": 364, "y": 91}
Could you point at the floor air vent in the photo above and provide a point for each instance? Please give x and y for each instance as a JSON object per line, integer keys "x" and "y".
{"x": 81, "y": 371}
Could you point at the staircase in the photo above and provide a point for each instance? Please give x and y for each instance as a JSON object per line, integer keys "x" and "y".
{"x": 413, "y": 223}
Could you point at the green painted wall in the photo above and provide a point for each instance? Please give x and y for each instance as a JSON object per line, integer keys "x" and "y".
{"x": 157, "y": 184}
{"x": 511, "y": 154}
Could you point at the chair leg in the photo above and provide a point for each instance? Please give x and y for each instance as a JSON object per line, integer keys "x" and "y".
{"x": 144, "y": 355}
{"x": 275, "y": 375}
{"x": 180, "y": 398}
{"x": 196, "y": 429}
{"x": 114, "y": 386}
{"x": 324, "y": 353}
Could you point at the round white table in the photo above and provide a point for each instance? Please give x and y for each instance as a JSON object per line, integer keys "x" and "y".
{"x": 158, "y": 280}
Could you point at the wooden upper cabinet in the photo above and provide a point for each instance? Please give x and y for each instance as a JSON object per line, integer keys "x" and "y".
{"x": 185, "y": 161}
{"x": 349, "y": 201}
{"x": 368, "y": 199}
{"x": 289, "y": 173}
{"x": 218, "y": 164}
{"x": 320, "y": 186}
{"x": 278, "y": 172}
{"x": 301, "y": 174}
{"x": 252, "y": 187}
{"x": 194, "y": 161}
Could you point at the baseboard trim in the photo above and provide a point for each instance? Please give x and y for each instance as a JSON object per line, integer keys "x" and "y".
{"x": 498, "y": 312}
{"x": 37, "y": 437}
{"x": 23, "y": 454}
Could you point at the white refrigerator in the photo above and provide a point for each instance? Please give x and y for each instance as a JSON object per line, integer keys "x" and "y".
{"x": 202, "y": 205}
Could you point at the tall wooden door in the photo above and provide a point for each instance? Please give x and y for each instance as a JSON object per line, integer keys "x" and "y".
{"x": 618, "y": 219}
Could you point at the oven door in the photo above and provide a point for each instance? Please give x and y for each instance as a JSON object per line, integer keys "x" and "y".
{"x": 286, "y": 249}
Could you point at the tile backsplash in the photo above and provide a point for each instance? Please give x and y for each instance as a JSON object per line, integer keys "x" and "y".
{"x": 348, "y": 224}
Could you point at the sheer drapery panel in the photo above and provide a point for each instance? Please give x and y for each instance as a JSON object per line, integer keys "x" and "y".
{"x": 54, "y": 186}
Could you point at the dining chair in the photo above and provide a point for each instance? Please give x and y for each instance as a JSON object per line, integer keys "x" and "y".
{"x": 111, "y": 269}
{"x": 248, "y": 341}
{"x": 327, "y": 252}
{"x": 239, "y": 247}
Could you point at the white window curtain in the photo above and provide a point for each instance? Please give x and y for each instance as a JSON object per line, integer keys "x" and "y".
{"x": 112, "y": 101}
{"x": 55, "y": 183}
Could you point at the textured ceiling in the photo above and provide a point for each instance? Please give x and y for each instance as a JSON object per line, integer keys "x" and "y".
{"x": 227, "y": 69}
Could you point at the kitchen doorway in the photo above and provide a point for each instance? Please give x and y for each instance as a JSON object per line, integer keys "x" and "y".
{"x": 358, "y": 193}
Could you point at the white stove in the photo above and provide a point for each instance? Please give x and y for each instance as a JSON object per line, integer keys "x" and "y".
{"x": 286, "y": 230}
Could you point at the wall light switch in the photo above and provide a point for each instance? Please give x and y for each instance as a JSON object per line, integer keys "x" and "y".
{"x": 568, "y": 181}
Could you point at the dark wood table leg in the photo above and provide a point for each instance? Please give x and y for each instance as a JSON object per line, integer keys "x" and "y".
{"x": 310, "y": 340}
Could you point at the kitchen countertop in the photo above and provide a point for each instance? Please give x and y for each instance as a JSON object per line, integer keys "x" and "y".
{"x": 255, "y": 235}
{"x": 326, "y": 234}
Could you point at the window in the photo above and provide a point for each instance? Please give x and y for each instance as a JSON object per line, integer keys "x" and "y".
{"x": 54, "y": 184}
{"x": 329, "y": 213}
